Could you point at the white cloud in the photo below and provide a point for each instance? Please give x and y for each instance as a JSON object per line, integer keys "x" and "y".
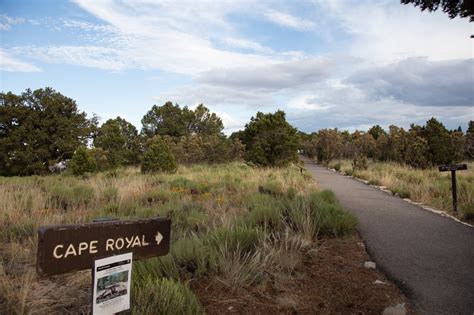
{"x": 247, "y": 44}
{"x": 287, "y": 20}
{"x": 11, "y": 64}
{"x": 285, "y": 75}
{"x": 6, "y": 22}
{"x": 89, "y": 56}
{"x": 386, "y": 32}
{"x": 307, "y": 102}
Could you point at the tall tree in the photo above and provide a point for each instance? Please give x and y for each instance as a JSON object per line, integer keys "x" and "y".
{"x": 454, "y": 8}
{"x": 270, "y": 140}
{"x": 168, "y": 120}
{"x": 469, "y": 146}
{"x": 120, "y": 140}
{"x": 205, "y": 122}
{"x": 440, "y": 147}
{"x": 39, "y": 128}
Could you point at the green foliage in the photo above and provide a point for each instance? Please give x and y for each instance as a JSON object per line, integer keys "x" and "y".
{"x": 453, "y": 8}
{"x": 158, "y": 158}
{"x": 119, "y": 139}
{"x": 270, "y": 140}
{"x": 68, "y": 195}
{"x": 82, "y": 162}
{"x": 264, "y": 211}
{"x": 171, "y": 120}
{"x": 39, "y": 128}
{"x": 359, "y": 162}
{"x": 420, "y": 146}
{"x": 192, "y": 257}
{"x": 271, "y": 187}
{"x": 319, "y": 213}
{"x": 244, "y": 238}
{"x": 164, "y": 296}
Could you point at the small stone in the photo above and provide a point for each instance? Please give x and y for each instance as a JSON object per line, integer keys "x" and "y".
{"x": 379, "y": 282}
{"x": 369, "y": 265}
{"x": 398, "y": 309}
{"x": 230, "y": 308}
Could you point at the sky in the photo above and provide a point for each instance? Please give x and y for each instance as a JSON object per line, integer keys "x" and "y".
{"x": 326, "y": 63}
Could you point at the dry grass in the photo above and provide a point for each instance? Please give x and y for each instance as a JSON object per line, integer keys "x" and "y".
{"x": 230, "y": 222}
{"x": 429, "y": 186}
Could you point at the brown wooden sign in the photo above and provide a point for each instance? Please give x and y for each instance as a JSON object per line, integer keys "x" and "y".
{"x": 453, "y": 167}
{"x": 66, "y": 248}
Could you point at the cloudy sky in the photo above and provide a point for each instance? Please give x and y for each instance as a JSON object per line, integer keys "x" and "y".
{"x": 327, "y": 63}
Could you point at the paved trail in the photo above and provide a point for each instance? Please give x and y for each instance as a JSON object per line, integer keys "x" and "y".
{"x": 429, "y": 256}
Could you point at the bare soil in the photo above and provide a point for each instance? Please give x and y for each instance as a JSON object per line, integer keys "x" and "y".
{"x": 333, "y": 281}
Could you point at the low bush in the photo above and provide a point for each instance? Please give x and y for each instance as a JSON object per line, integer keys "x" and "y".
{"x": 192, "y": 257}
{"x": 164, "y": 296}
{"x": 242, "y": 238}
{"x": 272, "y": 188}
{"x": 264, "y": 211}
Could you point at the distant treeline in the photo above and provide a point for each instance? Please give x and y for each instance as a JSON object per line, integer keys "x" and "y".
{"x": 40, "y": 128}
{"x": 419, "y": 146}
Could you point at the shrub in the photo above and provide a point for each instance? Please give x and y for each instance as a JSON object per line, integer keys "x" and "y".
{"x": 110, "y": 194}
{"x": 263, "y": 211}
{"x": 161, "y": 267}
{"x": 192, "y": 257}
{"x": 319, "y": 213}
{"x": 158, "y": 158}
{"x": 359, "y": 163}
{"x": 240, "y": 269}
{"x": 164, "y": 296}
{"x": 243, "y": 238}
{"x": 272, "y": 188}
{"x": 66, "y": 197}
{"x": 82, "y": 162}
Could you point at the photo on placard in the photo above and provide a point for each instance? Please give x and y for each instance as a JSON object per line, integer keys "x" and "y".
{"x": 112, "y": 286}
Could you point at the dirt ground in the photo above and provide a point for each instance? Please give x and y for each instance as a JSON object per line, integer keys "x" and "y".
{"x": 334, "y": 281}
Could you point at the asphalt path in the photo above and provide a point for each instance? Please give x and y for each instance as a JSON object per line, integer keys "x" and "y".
{"x": 430, "y": 257}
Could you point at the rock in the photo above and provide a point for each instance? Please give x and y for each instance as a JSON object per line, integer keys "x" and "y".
{"x": 369, "y": 265}
{"x": 379, "y": 282}
{"x": 230, "y": 308}
{"x": 398, "y": 309}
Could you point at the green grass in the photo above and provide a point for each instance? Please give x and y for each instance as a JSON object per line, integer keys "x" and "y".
{"x": 429, "y": 186}
{"x": 230, "y": 223}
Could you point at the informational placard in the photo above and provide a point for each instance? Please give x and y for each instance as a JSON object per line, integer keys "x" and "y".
{"x": 66, "y": 248}
{"x": 112, "y": 277}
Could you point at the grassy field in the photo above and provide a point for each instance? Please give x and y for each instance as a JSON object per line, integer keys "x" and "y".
{"x": 429, "y": 186}
{"x": 231, "y": 223}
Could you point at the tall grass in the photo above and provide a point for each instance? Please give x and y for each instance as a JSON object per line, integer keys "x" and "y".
{"x": 230, "y": 223}
{"x": 429, "y": 186}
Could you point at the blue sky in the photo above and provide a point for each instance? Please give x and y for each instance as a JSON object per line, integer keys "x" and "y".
{"x": 345, "y": 64}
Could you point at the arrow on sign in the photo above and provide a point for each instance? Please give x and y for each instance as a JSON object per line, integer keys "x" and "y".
{"x": 158, "y": 238}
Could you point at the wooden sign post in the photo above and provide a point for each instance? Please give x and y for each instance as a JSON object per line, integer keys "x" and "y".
{"x": 453, "y": 168}
{"x": 111, "y": 244}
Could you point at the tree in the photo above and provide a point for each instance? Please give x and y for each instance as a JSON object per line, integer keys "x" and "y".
{"x": 440, "y": 147}
{"x": 205, "y": 122}
{"x": 82, "y": 162}
{"x": 158, "y": 157}
{"x": 168, "y": 119}
{"x": 376, "y": 131}
{"x": 328, "y": 145}
{"x": 454, "y": 8}
{"x": 270, "y": 140}
{"x": 469, "y": 146}
{"x": 120, "y": 140}
{"x": 38, "y": 129}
